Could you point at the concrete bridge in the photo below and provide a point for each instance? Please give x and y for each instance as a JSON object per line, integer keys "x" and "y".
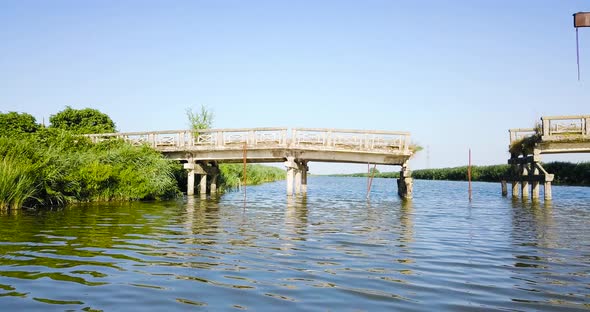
{"x": 202, "y": 151}
{"x": 554, "y": 135}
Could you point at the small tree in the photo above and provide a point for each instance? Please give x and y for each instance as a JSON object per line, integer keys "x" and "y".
{"x": 199, "y": 120}
{"x": 14, "y": 124}
{"x": 82, "y": 121}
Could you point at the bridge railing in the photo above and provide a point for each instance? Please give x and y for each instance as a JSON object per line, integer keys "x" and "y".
{"x": 206, "y": 139}
{"x": 518, "y": 134}
{"x": 334, "y": 139}
{"x": 341, "y": 139}
{"x": 227, "y": 138}
{"x": 565, "y": 125}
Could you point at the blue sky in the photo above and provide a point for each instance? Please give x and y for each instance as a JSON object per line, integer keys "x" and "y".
{"x": 456, "y": 74}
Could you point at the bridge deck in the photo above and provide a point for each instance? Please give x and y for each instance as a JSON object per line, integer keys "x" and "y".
{"x": 556, "y": 134}
{"x": 275, "y": 144}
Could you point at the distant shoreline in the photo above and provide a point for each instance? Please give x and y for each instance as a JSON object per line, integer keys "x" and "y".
{"x": 566, "y": 173}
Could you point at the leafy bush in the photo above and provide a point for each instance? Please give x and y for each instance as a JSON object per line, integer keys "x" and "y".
{"x": 82, "y": 121}
{"x": 13, "y": 124}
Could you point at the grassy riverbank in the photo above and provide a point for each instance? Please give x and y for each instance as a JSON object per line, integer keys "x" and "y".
{"x": 46, "y": 166}
{"x": 55, "y": 167}
{"x": 565, "y": 173}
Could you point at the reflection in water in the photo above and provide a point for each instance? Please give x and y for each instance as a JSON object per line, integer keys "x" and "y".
{"x": 296, "y": 214}
{"x": 329, "y": 250}
{"x": 406, "y": 222}
{"x": 533, "y": 223}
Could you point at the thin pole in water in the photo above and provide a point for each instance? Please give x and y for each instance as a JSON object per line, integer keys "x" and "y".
{"x": 469, "y": 174}
{"x": 371, "y": 180}
{"x": 368, "y": 175}
{"x": 244, "y": 173}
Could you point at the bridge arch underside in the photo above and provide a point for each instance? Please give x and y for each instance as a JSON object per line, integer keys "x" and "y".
{"x": 281, "y": 155}
{"x": 296, "y": 163}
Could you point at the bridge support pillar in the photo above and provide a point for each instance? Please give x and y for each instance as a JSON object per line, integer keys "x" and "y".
{"x": 515, "y": 188}
{"x": 525, "y": 182}
{"x": 304, "y": 169}
{"x": 298, "y": 179}
{"x": 535, "y": 183}
{"x": 213, "y": 188}
{"x": 547, "y": 191}
{"x": 291, "y": 168}
{"x": 213, "y": 176}
{"x": 405, "y": 183}
{"x": 504, "y": 188}
{"x": 190, "y": 186}
{"x": 203, "y": 185}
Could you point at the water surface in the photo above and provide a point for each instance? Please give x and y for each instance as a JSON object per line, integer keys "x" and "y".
{"x": 331, "y": 250}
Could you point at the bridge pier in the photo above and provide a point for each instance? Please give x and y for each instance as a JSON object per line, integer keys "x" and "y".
{"x": 296, "y": 176}
{"x": 206, "y": 185}
{"x": 292, "y": 166}
{"x": 504, "y": 188}
{"x": 213, "y": 185}
{"x": 304, "y": 168}
{"x": 527, "y": 172}
{"x": 405, "y": 183}
{"x": 190, "y": 185}
{"x": 298, "y": 179}
{"x": 203, "y": 185}
{"x": 524, "y": 182}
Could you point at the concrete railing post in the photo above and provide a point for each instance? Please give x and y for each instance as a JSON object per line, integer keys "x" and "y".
{"x": 294, "y": 141}
{"x": 152, "y": 139}
{"x": 587, "y": 126}
{"x": 546, "y": 124}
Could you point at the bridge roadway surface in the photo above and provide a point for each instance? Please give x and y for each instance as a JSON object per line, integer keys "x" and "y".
{"x": 203, "y": 150}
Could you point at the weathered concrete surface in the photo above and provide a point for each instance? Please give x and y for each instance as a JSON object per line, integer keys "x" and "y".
{"x": 263, "y": 145}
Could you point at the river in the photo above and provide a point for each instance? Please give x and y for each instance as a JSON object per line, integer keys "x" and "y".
{"x": 329, "y": 251}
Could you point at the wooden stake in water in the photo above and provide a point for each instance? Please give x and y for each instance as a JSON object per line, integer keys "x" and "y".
{"x": 469, "y": 174}
{"x": 371, "y": 180}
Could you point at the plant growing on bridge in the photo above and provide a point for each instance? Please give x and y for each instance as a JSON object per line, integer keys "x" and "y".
{"x": 200, "y": 120}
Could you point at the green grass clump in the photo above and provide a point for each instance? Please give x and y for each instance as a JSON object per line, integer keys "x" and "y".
{"x": 18, "y": 183}
{"x": 231, "y": 175}
{"x": 55, "y": 167}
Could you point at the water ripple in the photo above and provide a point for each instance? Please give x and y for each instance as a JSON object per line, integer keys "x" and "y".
{"x": 331, "y": 250}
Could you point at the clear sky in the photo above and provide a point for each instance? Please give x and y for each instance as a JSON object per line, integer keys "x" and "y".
{"x": 456, "y": 74}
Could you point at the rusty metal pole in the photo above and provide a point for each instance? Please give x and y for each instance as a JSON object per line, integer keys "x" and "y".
{"x": 581, "y": 19}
